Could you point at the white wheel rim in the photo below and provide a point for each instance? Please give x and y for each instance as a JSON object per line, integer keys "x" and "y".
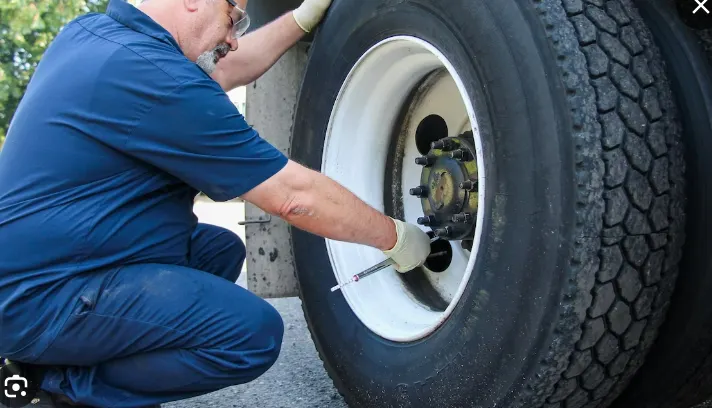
{"x": 355, "y": 152}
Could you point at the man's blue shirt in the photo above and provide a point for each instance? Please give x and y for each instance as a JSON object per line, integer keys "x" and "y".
{"x": 115, "y": 135}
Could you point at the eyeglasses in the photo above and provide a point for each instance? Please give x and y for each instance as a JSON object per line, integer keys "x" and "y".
{"x": 240, "y": 26}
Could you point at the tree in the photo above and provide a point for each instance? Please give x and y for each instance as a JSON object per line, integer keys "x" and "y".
{"x": 27, "y": 27}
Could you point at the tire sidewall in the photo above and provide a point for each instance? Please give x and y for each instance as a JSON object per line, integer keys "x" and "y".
{"x": 504, "y": 321}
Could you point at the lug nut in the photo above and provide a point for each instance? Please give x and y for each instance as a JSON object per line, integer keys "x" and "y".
{"x": 468, "y": 185}
{"x": 442, "y": 232}
{"x": 466, "y": 244}
{"x": 461, "y": 154}
{"x": 427, "y": 220}
{"x": 419, "y": 191}
{"x": 444, "y": 144}
{"x": 425, "y": 160}
{"x": 462, "y": 217}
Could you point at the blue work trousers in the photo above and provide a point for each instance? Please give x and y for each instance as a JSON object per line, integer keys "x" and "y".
{"x": 151, "y": 333}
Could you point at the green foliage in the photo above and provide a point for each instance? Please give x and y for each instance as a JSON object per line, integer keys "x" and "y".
{"x": 27, "y": 27}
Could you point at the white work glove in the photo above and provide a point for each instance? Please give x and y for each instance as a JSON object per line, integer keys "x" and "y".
{"x": 412, "y": 247}
{"x": 310, "y": 13}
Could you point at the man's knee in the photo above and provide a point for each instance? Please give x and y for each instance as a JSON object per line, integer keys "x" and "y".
{"x": 272, "y": 333}
{"x": 259, "y": 349}
{"x": 269, "y": 333}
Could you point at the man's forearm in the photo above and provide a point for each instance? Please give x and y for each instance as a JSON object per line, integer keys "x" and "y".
{"x": 315, "y": 203}
{"x": 257, "y": 52}
{"x": 328, "y": 209}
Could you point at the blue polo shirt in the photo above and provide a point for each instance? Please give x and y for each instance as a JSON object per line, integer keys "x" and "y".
{"x": 115, "y": 135}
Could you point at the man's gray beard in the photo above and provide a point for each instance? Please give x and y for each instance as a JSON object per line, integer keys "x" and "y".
{"x": 208, "y": 60}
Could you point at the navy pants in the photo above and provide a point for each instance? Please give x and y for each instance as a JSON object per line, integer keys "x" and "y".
{"x": 152, "y": 333}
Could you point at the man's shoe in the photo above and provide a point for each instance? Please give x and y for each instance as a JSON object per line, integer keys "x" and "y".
{"x": 43, "y": 399}
{"x": 25, "y": 380}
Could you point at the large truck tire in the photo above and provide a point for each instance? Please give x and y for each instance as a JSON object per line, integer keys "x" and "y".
{"x": 556, "y": 187}
{"x": 678, "y": 370}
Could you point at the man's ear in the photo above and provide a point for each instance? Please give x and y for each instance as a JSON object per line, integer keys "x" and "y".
{"x": 192, "y": 5}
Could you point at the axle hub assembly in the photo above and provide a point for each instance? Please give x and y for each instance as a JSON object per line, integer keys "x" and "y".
{"x": 448, "y": 188}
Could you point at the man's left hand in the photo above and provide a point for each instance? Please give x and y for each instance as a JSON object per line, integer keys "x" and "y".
{"x": 310, "y": 13}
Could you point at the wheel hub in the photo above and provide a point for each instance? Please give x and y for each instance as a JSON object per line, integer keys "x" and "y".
{"x": 448, "y": 188}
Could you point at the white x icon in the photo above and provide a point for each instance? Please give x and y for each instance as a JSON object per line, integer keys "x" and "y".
{"x": 701, "y": 5}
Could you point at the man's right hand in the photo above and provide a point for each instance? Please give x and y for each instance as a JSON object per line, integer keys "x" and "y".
{"x": 412, "y": 247}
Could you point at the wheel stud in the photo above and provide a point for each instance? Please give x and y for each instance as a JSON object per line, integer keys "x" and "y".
{"x": 461, "y": 154}
{"x": 427, "y": 220}
{"x": 469, "y": 185}
{"x": 425, "y": 160}
{"x": 419, "y": 191}
{"x": 442, "y": 232}
{"x": 462, "y": 217}
{"x": 444, "y": 144}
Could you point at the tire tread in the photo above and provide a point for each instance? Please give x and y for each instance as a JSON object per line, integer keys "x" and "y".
{"x": 630, "y": 194}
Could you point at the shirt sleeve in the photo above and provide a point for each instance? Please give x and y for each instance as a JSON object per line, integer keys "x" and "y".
{"x": 197, "y": 134}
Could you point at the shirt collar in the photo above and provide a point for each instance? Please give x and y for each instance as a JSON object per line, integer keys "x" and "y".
{"x": 130, "y": 16}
